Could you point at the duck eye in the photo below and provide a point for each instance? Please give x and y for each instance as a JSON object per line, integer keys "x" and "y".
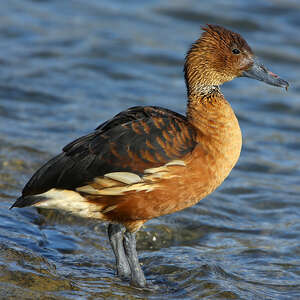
{"x": 236, "y": 51}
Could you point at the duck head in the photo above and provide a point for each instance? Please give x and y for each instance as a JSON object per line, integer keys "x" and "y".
{"x": 220, "y": 55}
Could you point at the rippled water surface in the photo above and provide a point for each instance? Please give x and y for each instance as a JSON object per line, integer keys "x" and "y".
{"x": 67, "y": 66}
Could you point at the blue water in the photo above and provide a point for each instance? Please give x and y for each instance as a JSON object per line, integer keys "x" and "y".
{"x": 67, "y": 66}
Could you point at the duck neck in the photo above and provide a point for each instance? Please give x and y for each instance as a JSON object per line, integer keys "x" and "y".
{"x": 211, "y": 114}
{"x": 203, "y": 93}
{"x": 218, "y": 131}
{"x": 205, "y": 105}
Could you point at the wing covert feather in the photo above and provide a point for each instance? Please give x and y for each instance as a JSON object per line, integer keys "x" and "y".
{"x": 134, "y": 140}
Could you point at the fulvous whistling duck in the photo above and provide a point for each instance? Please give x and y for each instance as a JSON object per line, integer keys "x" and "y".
{"x": 149, "y": 161}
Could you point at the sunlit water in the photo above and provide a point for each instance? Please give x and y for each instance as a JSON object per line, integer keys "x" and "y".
{"x": 67, "y": 66}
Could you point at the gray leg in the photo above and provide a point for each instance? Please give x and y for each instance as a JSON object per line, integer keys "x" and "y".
{"x": 115, "y": 234}
{"x": 137, "y": 275}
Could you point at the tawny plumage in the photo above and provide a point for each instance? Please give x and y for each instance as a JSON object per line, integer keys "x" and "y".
{"x": 149, "y": 161}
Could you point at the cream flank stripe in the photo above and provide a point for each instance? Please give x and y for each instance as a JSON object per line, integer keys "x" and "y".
{"x": 130, "y": 181}
{"x": 112, "y": 184}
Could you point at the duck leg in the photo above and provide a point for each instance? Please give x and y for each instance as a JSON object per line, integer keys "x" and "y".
{"x": 137, "y": 275}
{"x": 115, "y": 234}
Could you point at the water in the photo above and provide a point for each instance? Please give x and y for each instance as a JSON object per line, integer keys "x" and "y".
{"x": 67, "y": 66}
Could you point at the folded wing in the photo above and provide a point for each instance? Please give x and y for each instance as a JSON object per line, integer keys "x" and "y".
{"x": 135, "y": 140}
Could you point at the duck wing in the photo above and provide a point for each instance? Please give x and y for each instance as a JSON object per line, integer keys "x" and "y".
{"x": 132, "y": 141}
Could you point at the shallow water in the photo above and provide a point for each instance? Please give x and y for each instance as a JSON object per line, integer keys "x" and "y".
{"x": 67, "y": 66}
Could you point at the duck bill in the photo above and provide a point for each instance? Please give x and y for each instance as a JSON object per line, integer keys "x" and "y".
{"x": 259, "y": 72}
